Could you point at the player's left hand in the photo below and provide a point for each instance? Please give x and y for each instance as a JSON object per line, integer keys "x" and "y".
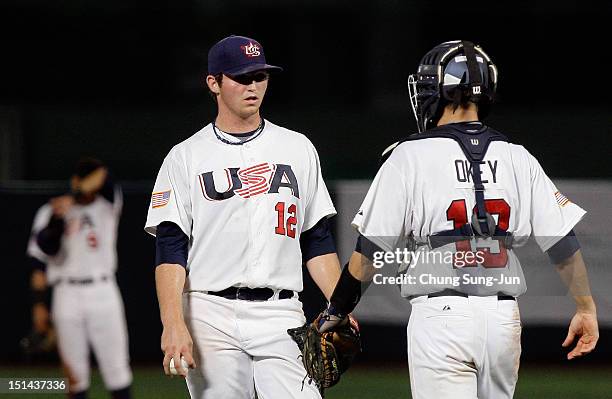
{"x": 583, "y": 325}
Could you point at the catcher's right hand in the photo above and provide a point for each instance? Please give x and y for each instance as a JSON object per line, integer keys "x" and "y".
{"x": 326, "y": 355}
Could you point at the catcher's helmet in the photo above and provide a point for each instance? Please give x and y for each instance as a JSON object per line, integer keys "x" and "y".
{"x": 452, "y": 72}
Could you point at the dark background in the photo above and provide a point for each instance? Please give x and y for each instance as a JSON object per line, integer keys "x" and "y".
{"x": 123, "y": 81}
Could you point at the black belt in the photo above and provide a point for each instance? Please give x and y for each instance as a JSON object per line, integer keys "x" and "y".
{"x": 449, "y": 292}
{"x": 82, "y": 281}
{"x": 251, "y": 294}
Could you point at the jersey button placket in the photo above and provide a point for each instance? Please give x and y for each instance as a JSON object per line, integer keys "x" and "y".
{"x": 247, "y": 158}
{"x": 248, "y": 151}
{"x": 256, "y": 220}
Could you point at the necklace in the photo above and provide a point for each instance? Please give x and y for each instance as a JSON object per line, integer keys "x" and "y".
{"x": 256, "y": 134}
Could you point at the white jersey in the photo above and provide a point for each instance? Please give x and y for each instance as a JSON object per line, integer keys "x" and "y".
{"x": 242, "y": 205}
{"x": 425, "y": 187}
{"x": 88, "y": 245}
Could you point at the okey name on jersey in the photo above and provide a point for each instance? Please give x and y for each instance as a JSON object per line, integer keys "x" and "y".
{"x": 465, "y": 172}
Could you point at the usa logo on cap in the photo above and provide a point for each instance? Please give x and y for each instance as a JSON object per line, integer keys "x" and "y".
{"x": 237, "y": 55}
{"x": 251, "y": 50}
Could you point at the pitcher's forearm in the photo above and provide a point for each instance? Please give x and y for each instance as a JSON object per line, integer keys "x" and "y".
{"x": 325, "y": 271}
{"x": 169, "y": 282}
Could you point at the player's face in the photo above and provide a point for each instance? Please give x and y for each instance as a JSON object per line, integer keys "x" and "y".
{"x": 242, "y": 95}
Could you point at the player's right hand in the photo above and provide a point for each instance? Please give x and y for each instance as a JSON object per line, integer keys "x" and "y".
{"x": 61, "y": 205}
{"x": 176, "y": 342}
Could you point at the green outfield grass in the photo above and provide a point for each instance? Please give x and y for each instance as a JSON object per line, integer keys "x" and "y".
{"x": 535, "y": 382}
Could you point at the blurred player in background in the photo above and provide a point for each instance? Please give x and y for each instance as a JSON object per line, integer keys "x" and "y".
{"x": 460, "y": 186}
{"x": 73, "y": 249}
{"x": 236, "y": 209}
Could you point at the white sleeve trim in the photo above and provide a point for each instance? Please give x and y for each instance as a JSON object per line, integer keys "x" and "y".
{"x": 327, "y": 212}
{"x": 151, "y": 228}
{"x": 375, "y": 239}
{"x": 552, "y": 240}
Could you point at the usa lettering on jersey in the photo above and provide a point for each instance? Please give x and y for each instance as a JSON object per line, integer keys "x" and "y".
{"x": 249, "y": 182}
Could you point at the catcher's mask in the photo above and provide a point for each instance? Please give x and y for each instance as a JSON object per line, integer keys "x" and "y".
{"x": 454, "y": 72}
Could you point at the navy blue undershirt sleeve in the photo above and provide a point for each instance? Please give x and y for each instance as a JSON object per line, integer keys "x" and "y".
{"x": 49, "y": 239}
{"x": 566, "y": 247}
{"x": 317, "y": 241}
{"x": 171, "y": 245}
{"x": 366, "y": 247}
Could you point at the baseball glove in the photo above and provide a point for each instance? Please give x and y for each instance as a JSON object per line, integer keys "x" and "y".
{"x": 38, "y": 343}
{"x": 327, "y": 355}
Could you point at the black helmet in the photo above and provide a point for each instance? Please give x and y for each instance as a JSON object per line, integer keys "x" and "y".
{"x": 452, "y": 72}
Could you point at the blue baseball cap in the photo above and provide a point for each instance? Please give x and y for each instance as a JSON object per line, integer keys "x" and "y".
{"x": 237, "y": 55}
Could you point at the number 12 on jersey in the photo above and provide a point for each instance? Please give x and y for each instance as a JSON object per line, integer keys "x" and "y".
{"x": 286, "y": 228}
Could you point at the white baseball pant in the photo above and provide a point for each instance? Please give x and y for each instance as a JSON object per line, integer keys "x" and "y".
{"x": 463, "y": 348}
{"x": 242, "y": 348}
{"x": 92, "y": 314}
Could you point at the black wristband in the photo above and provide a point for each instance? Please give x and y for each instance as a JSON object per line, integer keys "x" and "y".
{"x": 346, "y": 294}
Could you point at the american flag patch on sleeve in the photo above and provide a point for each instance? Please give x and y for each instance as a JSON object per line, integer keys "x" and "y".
{"x": 561, "y": 199}
{"x": 160, "y": 199}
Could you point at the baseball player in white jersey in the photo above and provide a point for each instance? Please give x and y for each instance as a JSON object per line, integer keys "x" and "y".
{"x": 73, "y": 248}
{"x": 459, "y": 187}
{"x": 236, "y": 209}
